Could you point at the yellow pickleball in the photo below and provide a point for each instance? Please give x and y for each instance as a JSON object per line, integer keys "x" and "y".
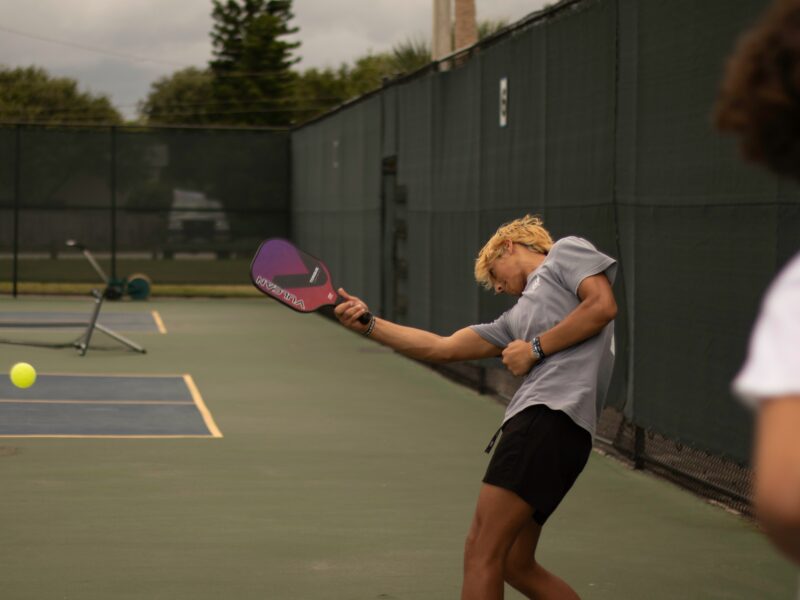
{"x": 23, "y": 375}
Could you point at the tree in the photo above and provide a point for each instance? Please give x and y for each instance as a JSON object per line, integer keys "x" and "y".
{"x": 185, "y": 98}
{"x": 490, "y": 27}
{"x": 31, "y": 95}
{"x": 319, "y": 90}
{"x": 410, "y": 55}
{"x": 252, "y": 62}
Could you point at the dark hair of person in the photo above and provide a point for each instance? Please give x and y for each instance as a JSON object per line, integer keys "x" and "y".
{"x": 759, "y": 98}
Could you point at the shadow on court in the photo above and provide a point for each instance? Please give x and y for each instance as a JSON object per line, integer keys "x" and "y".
{"x": 344, "y": 472}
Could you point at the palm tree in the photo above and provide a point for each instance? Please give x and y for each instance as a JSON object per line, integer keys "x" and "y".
{"x": 410, "y": 55}
{"x": 489, "y": 27}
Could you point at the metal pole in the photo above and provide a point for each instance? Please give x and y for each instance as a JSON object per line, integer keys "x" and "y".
{"x": 382, "y": 225}
{"x": 17, "y": 179}
{"x": 113, "y": 183}
{"x": 289, "y": 206}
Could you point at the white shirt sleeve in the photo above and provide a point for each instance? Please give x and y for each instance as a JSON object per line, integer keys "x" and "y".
{"x": 772, "y": 367}
{"x": 575, "y": 259}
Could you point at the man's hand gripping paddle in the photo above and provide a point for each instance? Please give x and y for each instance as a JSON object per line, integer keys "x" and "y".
{"x": 298, "y": 280}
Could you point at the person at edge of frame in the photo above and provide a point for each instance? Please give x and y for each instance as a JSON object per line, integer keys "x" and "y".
{"x": 559, "y": 335}
{"x": 759, "y": 100}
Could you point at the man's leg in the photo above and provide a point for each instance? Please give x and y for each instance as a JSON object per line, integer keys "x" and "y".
{"x": 529, "y": 577}
{"x": 499, "y": 518}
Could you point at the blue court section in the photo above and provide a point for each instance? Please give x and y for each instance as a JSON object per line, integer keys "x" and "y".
{"x": 88, "y": 405}
{"x": 137, "y": 322}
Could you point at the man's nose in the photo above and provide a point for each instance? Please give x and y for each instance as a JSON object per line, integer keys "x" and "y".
{"x": 498, "y": 288}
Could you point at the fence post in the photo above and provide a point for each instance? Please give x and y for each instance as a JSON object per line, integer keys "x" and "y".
{"x": 638, "y": 447}
{"x": 17, "y": 202}
{"x": 113, "y": 184}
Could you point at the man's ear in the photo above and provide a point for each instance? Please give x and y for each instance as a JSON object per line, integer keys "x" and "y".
{"x": 509, "y": 245}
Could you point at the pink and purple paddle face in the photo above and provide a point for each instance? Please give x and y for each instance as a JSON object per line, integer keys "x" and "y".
{"x": 298, "y": 280}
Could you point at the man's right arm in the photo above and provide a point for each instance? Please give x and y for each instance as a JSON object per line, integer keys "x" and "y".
{"x": 464, "y": 344}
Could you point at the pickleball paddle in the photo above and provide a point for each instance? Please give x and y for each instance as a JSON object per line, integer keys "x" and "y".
{"x": 293, "y": 277}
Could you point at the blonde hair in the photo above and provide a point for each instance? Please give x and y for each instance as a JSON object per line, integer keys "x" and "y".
{"x": 528, "y": 231}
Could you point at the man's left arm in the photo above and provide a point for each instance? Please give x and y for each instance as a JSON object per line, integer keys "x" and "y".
{"x": 596, "y": 309}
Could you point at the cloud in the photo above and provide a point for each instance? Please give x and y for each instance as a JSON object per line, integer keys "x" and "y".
{"x": 335, "y": 32}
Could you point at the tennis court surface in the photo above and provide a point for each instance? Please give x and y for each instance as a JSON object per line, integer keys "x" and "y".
{"x": 345, "y": 471}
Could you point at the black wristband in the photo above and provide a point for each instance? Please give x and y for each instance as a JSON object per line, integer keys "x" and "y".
{"x": 537, "y": 348}
{"x": 368, "y": 332}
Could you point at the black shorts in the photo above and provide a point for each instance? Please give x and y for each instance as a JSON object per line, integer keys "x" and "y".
{"x": 540, "y": 455}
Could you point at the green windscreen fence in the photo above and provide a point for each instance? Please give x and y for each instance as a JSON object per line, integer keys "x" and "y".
{"x": 184, "y": 206}
{"x": 596, "y": 115}
{"x": 336, "y": 206}
{"x": 698, "y": 226}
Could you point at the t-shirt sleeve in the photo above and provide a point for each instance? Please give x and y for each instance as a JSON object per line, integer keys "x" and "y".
{"x": 497, "y": 332}
{"x": 576, "y": 259}
{"x": 772, "y": 367}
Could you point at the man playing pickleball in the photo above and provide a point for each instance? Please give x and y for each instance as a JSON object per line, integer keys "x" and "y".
{"x": 560, "y": 336}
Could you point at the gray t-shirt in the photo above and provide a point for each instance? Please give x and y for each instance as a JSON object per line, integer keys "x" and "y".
{"x": 574, "y": 380}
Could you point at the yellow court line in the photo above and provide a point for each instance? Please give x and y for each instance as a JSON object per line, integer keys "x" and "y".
{"x": 120, "y": 375}
{"x": 201, "y": 406}
{"x": 112, "y": 437}
{"x": 112, "y": 402}
{"x": 159, "y": 322}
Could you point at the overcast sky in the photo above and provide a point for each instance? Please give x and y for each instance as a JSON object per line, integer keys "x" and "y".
{"x": 119, "y": 47}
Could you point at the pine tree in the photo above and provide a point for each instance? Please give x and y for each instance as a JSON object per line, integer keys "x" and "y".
{"x": 252, "y": 62}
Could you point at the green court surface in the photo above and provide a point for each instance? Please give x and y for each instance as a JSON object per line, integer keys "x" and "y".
{"x": 344, "y": 471}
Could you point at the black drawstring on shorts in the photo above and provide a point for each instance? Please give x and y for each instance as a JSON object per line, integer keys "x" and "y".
{"x": 493, "y": 440}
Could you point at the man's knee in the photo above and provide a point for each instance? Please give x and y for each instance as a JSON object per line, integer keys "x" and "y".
{"x": 478, "y": 555}
{"x": 469, "y": 546}
{"x": 474, "y": 555}
{"x": 518, "y": 571}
